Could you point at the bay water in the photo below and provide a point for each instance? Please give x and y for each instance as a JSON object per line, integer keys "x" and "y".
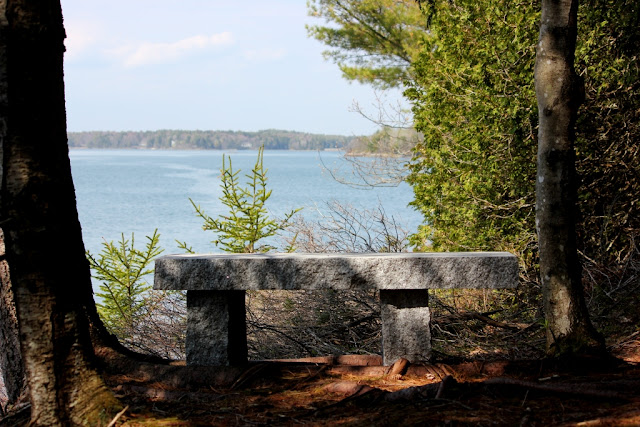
{"x": 138, "y": 191}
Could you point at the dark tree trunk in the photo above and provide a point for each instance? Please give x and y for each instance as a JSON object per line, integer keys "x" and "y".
{"x": 559, "y": 94}
{"x": 49, "y": 271}
{"x": 10, "y": 357}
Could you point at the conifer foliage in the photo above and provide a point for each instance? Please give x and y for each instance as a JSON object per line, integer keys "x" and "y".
{"x": 473, "y": 99}
{"x": 121, "y": 268}
{"x": 247, "y": 221}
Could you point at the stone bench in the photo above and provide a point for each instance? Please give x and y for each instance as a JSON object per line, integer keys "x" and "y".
{"x": 216, "y": 285}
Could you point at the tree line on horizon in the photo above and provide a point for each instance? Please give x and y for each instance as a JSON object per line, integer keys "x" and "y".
{"x": 270, "y": 139}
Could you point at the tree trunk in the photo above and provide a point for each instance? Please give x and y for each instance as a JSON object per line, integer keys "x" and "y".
{"x": 10, "y": 357}
{"x": 49, "y": 271}
{"x": 559, "y": 92}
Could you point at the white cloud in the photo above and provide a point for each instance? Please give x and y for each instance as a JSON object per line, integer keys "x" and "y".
{"x": 266, "y": 54}
{"x": 158, "y": 53}
{"x": 80, "y": 36}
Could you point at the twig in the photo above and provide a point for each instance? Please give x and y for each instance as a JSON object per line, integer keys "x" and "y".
{"x": 356, "y": 322}
{"x": 275, "y": 330}
{"x": 248, "y": 374}
{"x": 310, "y": 377}
{"x": 474, "y": 315}
{"x": 117, "y": 417}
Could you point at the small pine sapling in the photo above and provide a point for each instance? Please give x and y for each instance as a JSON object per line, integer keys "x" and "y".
{"x": 247, "y": 222}
{"x": 121, "y": 269}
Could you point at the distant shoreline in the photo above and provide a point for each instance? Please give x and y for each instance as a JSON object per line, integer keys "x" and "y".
{"x": 271, "y": 139}
{"x": 378, "y": 155}
{"x": 334, "y": 150}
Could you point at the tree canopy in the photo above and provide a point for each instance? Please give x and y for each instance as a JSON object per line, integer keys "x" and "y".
{"x": 474, "y": 102}
{"x": 372, "y": 41}
{"x": 467, "y": 67}
{"x": 470, "y": 81}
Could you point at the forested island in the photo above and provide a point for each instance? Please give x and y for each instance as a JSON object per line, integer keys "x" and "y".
{"x": 185, "y": 140}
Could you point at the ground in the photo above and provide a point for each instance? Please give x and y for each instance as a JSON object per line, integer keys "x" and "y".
{"x": 345, "y": 391}
{"x": 336, "y": 391}
{"x": 301, "y": 394}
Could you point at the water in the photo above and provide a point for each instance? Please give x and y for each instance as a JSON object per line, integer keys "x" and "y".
{"x": 125, "y": 191}
{"x": 137, "y": 191}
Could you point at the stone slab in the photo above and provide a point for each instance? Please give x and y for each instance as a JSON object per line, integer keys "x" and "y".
{"x": 442, "y": 270}
{"x": 216, "y": 328}
{"x": 406, "y": 329}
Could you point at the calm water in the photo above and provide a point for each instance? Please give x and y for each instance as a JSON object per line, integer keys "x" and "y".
{"x": 125, "y": 191}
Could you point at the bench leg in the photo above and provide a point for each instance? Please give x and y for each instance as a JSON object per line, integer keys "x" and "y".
{"x": 405, "y": 325}
{"x": 216, "y": 328}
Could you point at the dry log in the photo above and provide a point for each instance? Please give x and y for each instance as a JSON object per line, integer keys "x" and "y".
{"x": 398, "y": 369}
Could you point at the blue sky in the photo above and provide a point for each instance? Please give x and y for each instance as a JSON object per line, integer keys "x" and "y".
{"x": 204, "y": 64}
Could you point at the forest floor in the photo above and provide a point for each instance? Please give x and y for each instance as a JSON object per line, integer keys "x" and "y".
{"x": 342, "y": 391}
{"x": 356, "y": 390}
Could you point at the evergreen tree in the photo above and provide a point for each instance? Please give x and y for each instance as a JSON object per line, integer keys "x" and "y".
{"x": 122, "y": 268}
{"x": 247, "y": 221}
{"x": 468, "y": 67}
{"x": 474, "y": 103}
{"x": 372, "y": 41}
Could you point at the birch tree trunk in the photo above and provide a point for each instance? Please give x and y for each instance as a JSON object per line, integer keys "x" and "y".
{"x": 44, "y": 249}
{"x": 559, "y": 92}
{"x": 10, "y": 357}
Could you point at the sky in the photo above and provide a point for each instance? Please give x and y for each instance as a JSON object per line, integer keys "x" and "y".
{"x": 205, "y": 65}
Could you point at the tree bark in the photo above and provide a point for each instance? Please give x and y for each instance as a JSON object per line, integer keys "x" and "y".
{"x": 44, "y": 249}
{"x": 10, "y": 357}
{"x": 559, "y": 92}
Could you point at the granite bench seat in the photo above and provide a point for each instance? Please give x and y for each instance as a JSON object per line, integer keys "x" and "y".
{"x": 216, "y": 285}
